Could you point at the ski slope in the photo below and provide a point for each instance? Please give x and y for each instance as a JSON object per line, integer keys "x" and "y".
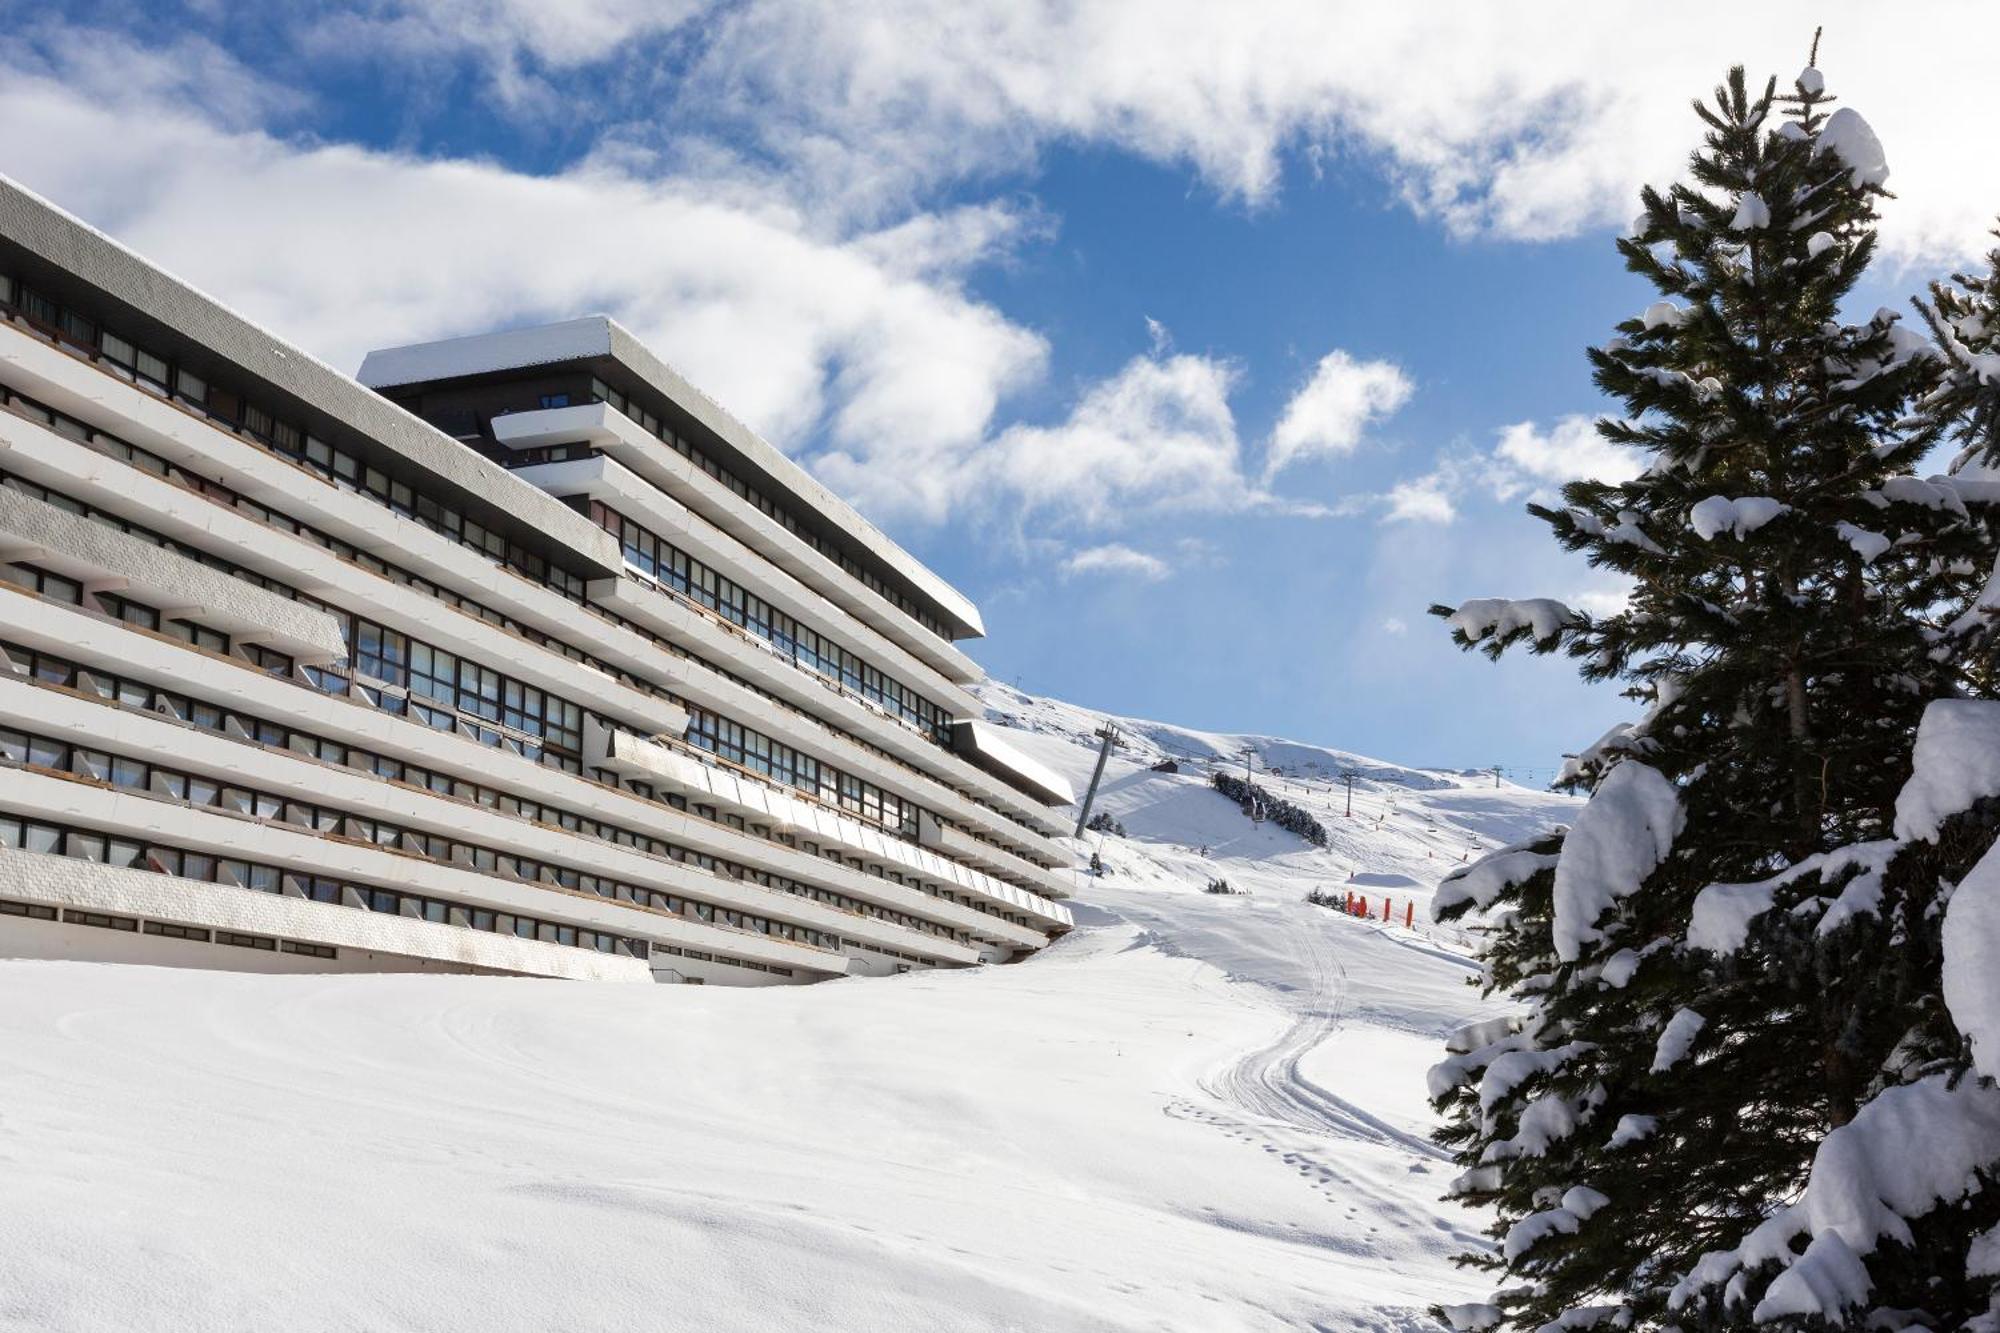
{"x": 1196, "y": 1112}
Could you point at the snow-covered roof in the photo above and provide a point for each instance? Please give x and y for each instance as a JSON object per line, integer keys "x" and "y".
{"x": 479, "y": 353}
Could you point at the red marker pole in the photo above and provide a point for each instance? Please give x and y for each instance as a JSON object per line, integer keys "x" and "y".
{"x": 1410, "y": 915}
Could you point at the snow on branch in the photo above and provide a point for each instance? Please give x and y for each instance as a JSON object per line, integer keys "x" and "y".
{"x": 1541, "y": 618}
{"x": 1956, "y": 764}
{"x": 1724, "y": 913}
{"x": 1480, "y": 884}
{"x": 1972, "y": 962}
{"x": 1853, "y": 140}
{"x": 1676, "y": 1039}
{"x": 1865, "y": 1186}
{"x": 1619, "y": 838}
{"x": 1718, "y": 514}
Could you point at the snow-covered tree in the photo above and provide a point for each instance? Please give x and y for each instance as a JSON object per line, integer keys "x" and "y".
{"x": 1796, "y": 590}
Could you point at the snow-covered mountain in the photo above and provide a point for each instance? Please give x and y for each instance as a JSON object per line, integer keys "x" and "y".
{"x": 1402, "y": 830}
{"x": 1196, "y": 1112}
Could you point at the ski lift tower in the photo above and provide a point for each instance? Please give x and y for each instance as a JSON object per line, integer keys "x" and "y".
{"x": 1108, "y": 733}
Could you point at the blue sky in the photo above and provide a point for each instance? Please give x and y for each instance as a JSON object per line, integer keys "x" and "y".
{"x": 1204, "y": 346}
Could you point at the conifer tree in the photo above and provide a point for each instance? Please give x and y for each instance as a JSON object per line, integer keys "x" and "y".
{"x": 1792, "y": 586}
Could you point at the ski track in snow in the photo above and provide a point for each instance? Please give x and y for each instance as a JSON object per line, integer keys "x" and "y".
{"x": 1266, "y": 1081}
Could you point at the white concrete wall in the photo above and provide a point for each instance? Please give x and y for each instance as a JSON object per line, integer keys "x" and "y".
{"x": 33, "y": 531}
{"x": 63, "y": 882}
{"x": 23, "y": 938}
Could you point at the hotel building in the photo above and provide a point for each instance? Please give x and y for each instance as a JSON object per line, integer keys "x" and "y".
{"x": 518, "y": 656}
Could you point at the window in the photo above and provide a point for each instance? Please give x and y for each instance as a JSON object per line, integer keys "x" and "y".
{"x": 33, "y": 910}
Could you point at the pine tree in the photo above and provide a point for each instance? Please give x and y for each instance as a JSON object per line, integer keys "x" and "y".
{"x": 1964, "y": 316}
{"x": 1792, "y": 586}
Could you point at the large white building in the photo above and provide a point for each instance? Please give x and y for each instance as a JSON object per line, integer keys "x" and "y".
{"x": 525, "y": 658}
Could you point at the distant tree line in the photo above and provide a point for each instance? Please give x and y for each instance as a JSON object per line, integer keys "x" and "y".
{"x": 1260, "y": 804}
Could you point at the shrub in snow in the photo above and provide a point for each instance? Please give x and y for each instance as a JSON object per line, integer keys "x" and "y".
{"x": 1260, "y": 804}
{"x": 1734, "y": 955}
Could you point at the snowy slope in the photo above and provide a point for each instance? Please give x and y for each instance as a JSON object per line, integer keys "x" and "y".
{"x": 1196, "y": 1112}
{"x": 1409, "y": 827}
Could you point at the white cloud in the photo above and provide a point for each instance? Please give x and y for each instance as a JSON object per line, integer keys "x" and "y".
{"x": 865, "y": 345}
{"x": 1424, "y": 499}
{"x": 1570, "y": 450}
{"x": 1524, "y": 119}
{"x": 1116, "y": 559}
{"x": 1524, "y": 461}
{"x": 1396, "y": 626}
{"x": 343, "y": 249}
{"x": 519, "y": 44}
{"x": 1158, "y": 435}
{"x": 1334, "y": 407}
{"x": 1602, "y": 601}
{"x": 1527, "y": 119}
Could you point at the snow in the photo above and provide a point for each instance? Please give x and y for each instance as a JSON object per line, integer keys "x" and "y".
{"x": 1632, "y": 1129}
{"x": 1619, "y": 967}
{"x": 1870, "y": 546}
{"x": 1664, "y": 314}
{"x": 1577, "y": 1205}
{"x": 1723, "y": 913}
{"x": 1535, "y": 1228}
{"x": 1510, "y": 1070}
{"x": 1193, "y": 1112}
{"x": 1482, "y": 882}
{"x": 1752, "y": 213}
{"x": 1819, "y": 243}
{"x": 1956, "y": 763}
{"x": 1583, "y": 1200}
{"x": 1865, "y": 1183}
{"x": 1862, "y": 895}
{"x": 1620, "y": 836}
{"x": 1542, "y": 617}
{"x": 1475, "y": 1317}
{"x": 1982, "y": 1256}
{"x": 1934, "y": 493}
{"x": 1972, "y": 961}
{"x": 570, "y": 340}
{"x": 1828, "y": 1278}
{"x": 1739, "y": 518}
{"x": 1853, "y": 141}
{"x": 1811, "y": 82}
{"x": 1676, "y": 1039}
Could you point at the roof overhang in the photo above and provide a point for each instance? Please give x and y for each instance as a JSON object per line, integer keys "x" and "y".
{"x": 983, "y": 743}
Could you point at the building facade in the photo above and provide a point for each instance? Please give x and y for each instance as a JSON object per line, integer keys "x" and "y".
{"x": 519, "y": 655}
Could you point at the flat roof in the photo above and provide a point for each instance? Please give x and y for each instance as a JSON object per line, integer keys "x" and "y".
{"x": 64, "y": 250}
{"x": 596, "y": 337}
{"x": 985, "y": 742}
